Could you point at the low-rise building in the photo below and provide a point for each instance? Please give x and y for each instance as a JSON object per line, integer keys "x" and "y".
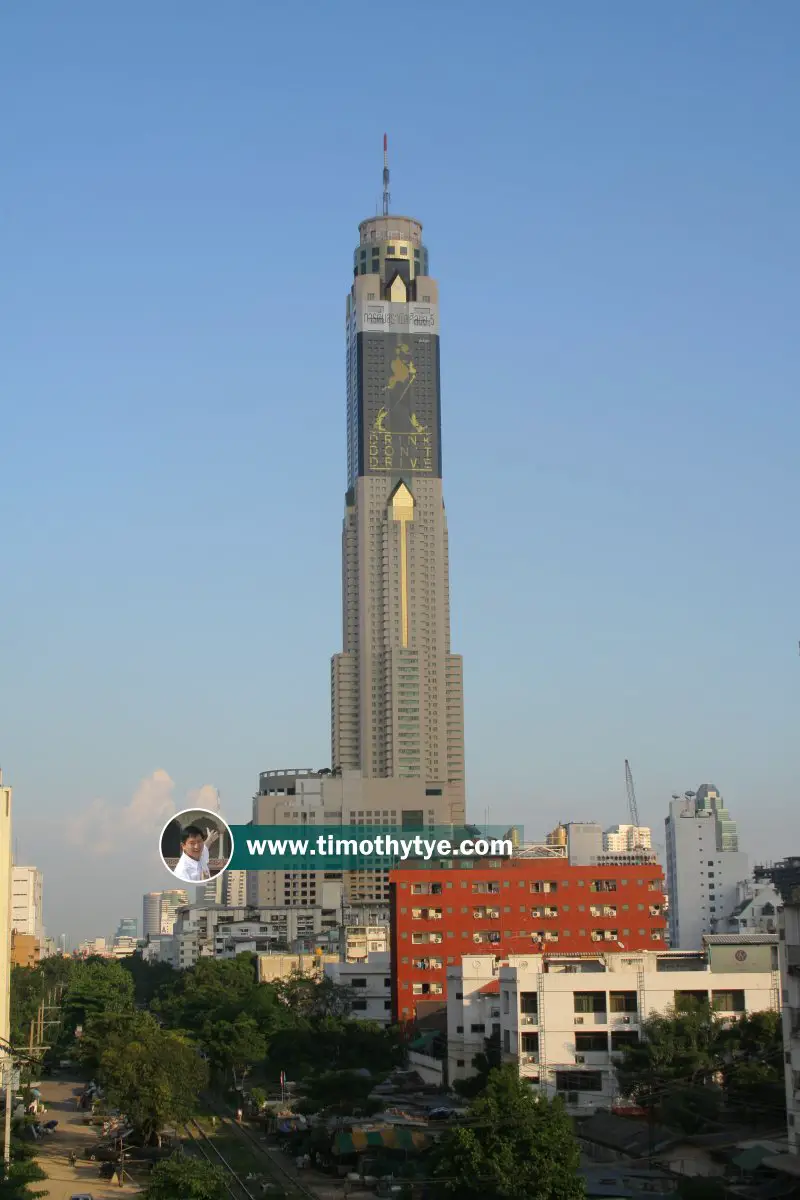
{"x": 25, "y": 949}
{"x": 93, "y": 947}
{"x": 755, "y": 909}
{"x": 123, "y": 947}
{"x": 357, "y": 943}
{"x": 562, "y": 1018}
{"x": 272, "y": 967}
{"x": 370, "y": 984}
{"x": 535, "y": 901}
{"x": 203, "y": 930}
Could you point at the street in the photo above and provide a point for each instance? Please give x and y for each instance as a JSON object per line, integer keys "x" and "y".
{"x": 63, "y": 1180}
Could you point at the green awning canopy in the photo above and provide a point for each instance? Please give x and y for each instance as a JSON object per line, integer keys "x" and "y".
{"x": 390, "y": 1137}
{"x": 751, "y": 1158}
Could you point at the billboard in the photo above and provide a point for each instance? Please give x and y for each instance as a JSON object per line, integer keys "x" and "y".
{"x": 398, "y": 398}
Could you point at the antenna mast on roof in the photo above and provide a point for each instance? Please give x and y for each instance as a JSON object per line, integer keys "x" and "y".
{"x": 386, "y": 197}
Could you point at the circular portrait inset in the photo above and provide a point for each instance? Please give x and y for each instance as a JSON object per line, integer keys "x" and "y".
{"x": 196, "y": 845}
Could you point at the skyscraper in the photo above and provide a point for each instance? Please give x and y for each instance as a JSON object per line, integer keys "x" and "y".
{"x": 397, "y": 727}
{"x": 704, "y": 865}
{"x": 159, "y": 909}
{"x": 397, "y": 694}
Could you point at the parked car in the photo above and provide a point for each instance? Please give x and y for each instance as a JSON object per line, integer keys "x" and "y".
{"x": 148, "y": 1153}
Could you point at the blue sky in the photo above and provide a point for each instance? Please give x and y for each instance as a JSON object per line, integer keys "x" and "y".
{"x": 609, "y": 195}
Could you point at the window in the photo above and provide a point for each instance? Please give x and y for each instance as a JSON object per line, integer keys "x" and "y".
{"x": 592, "y": 1042}
{"x": 589, "y": 1002}
{"x": 623, "y": 1002}
{"x": 620, "y": 1038}
{"x": 529, "y": 1043}
{"x": 359, "y": 1005}
{"x": 579, "y": 1081}
{"x": 687, "y": 1000}
{"x": 477, "y": 1028}
{"x": 358, "y": 983}
{"x": 728, "y": 1001}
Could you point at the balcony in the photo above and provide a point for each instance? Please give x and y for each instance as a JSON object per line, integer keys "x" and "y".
{"x": 529, "y": 1057}
{"x": 527, "y": 1018}
{"x": 426, "y": 914}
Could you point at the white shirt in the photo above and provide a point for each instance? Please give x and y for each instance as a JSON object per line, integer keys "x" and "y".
{"x": 204, "y": 857}
{"x": 191, "y": 870}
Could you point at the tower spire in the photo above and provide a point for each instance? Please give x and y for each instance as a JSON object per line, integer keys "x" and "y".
{"x": 386, "y": 197}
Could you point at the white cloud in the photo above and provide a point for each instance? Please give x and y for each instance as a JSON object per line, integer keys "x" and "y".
{"x": 104, "y": 829}
{"x": 204, "y": 797}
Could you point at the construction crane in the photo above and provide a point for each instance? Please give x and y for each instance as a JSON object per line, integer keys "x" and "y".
{"x": 631, "y": 790}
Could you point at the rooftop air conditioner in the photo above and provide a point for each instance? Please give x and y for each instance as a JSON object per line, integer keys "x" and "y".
{"x": 579, "y": 1020}
{"x": 626, "y": 1020}
{"x": 579, "y": 1058}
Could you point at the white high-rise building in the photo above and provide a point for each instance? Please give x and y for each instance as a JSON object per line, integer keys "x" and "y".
{"x": 26, "y": 902}
{"x": 235, "y": 889}
{"x": 704, "y": 866}
{"x": 620, "y": 838}
{"x": 5, "y": 911}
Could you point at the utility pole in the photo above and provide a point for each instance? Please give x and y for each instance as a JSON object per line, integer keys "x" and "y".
{"x": 8, "y": 1067}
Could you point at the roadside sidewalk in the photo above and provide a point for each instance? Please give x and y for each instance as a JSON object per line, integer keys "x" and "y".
{"x": 63, "y": 1180}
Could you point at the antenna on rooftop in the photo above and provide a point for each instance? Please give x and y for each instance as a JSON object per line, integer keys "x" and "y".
{"x": 387, "y": 199}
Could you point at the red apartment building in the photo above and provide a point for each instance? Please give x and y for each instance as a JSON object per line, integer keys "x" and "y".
{"x": 512, "y": 906}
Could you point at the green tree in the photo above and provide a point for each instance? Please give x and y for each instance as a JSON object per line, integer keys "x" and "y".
{"x": 182, "y": 1178}
{"x": 484, "y": 1063}
{"x": 314, "y": 998}
{"x": 233, "y": 1046}
{"x": 16, "y": 1180}
{"x": 26, "y": 995}
{"x": 154, "y": 1076}
{"x": 340, "y": 1044}
{"x": 108, "y": 1029}
{"x": 343, "y": 1091}
{"x": 96, "y": 986}
{"x": 514, "y": 1145}
{"x": 149, "y": 978}
{"x": 691, "y": 1065}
